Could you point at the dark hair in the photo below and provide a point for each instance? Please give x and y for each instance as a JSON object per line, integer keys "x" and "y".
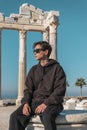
{"x": 45, "y": 46}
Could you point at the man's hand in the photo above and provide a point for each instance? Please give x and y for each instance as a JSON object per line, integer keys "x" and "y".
{"x": 40, "y": 108}
{"x": 26, "y": 109}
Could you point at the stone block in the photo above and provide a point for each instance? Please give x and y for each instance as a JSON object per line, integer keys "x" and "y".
{"x": 35, "y": 16}
{"x": 32, "y": 7}
{"x": 68, "y": 119}
{"x": 1, "y": 102}
{"x": 81, "y": 105}
{"x": 14, "y": 15}
{"x": 39, "y": 11}
{"x": 25, "y": 9}
{"x": 23, "y": 20}
{"x": 2, "y": 17}
{"x": 9, "y": 20}
{"x": 60, "y": 127}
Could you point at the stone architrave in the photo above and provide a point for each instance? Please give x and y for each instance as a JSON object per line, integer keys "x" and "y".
{"x": 22, "y": 65}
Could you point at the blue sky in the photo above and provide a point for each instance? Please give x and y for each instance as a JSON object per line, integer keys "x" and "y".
{"x": 71, "y": 44}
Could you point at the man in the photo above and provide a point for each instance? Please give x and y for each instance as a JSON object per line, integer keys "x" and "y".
{"x": 44, "y": 91}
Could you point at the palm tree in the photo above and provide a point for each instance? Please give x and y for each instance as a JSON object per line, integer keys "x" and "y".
{"x": 67, "y": 84}
{"x": 80, "y": 83}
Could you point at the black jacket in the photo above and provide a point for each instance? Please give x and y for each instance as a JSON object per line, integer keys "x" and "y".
{"x": 46, "y": 84}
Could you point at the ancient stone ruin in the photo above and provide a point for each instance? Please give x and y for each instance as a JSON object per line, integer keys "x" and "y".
{"x": 29, "y": 18}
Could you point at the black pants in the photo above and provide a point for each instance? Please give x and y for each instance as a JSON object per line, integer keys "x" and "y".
{"x": 18, "y": 121}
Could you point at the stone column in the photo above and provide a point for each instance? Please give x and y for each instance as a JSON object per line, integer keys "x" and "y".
{"x": 0, "y": 64}
{"x": 22, "y": 65}
{"x": 1, "y": 101}
{"x": 46, "y": 35}
{"x": 53, "y": 40}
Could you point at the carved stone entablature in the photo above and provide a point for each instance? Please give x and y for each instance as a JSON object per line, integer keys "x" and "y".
{"x": 30, "y": 15}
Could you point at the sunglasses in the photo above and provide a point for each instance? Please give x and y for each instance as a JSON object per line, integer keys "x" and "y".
{"x": 38, "y": 50}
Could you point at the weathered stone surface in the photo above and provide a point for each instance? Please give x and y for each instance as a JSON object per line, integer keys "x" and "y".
{"x": 1, "y": 102}
{"x": 81, "y": 105}
{"x": 70, "y": 104}
{"x": 2, "y": 17}
{"x": 35, "y": 22}
{"x": 15, "y": 16}
{"x": 23, "y": 20}
{"x": 67, "y": 117}
{"x": 73, "y": 120}
{"x": 24, "y": 9}
{"x": 61, "y": 127}
{"x": 32, "y": 7}
{"x": 52, "y": 13}
{"x": 35, "y": 16}
{"x": 10, "y": 20}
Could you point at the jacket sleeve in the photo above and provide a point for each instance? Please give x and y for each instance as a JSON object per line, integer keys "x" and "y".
{"x": 59, "y": 88}
{"x": 28, "y": 90}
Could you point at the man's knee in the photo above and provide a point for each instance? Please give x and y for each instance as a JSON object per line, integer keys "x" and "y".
{"x": 13, "y": 116}
{"x": 46, "y": 117}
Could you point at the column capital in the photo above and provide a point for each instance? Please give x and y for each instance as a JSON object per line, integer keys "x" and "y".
{"x": 53, "y": 21}
{"x": 53, "y": 28}
{"x": 22, "y": 34}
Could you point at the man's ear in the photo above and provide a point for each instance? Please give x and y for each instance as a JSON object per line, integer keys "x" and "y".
{"x": 46, "y": 52}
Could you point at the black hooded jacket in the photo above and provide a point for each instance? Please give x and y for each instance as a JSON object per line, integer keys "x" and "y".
{"x": 45, "y": 84}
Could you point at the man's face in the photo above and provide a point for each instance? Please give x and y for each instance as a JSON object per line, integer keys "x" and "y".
{"x": 39, "y": 53}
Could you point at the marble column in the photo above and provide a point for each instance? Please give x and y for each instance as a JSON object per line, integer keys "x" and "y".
{"x": 1, "y": 101}
{"x": 22, "y": 65}
{"x": 53, "y": 40}
{"x": 0, "y": 64}
{"x": 46, "y": 35}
